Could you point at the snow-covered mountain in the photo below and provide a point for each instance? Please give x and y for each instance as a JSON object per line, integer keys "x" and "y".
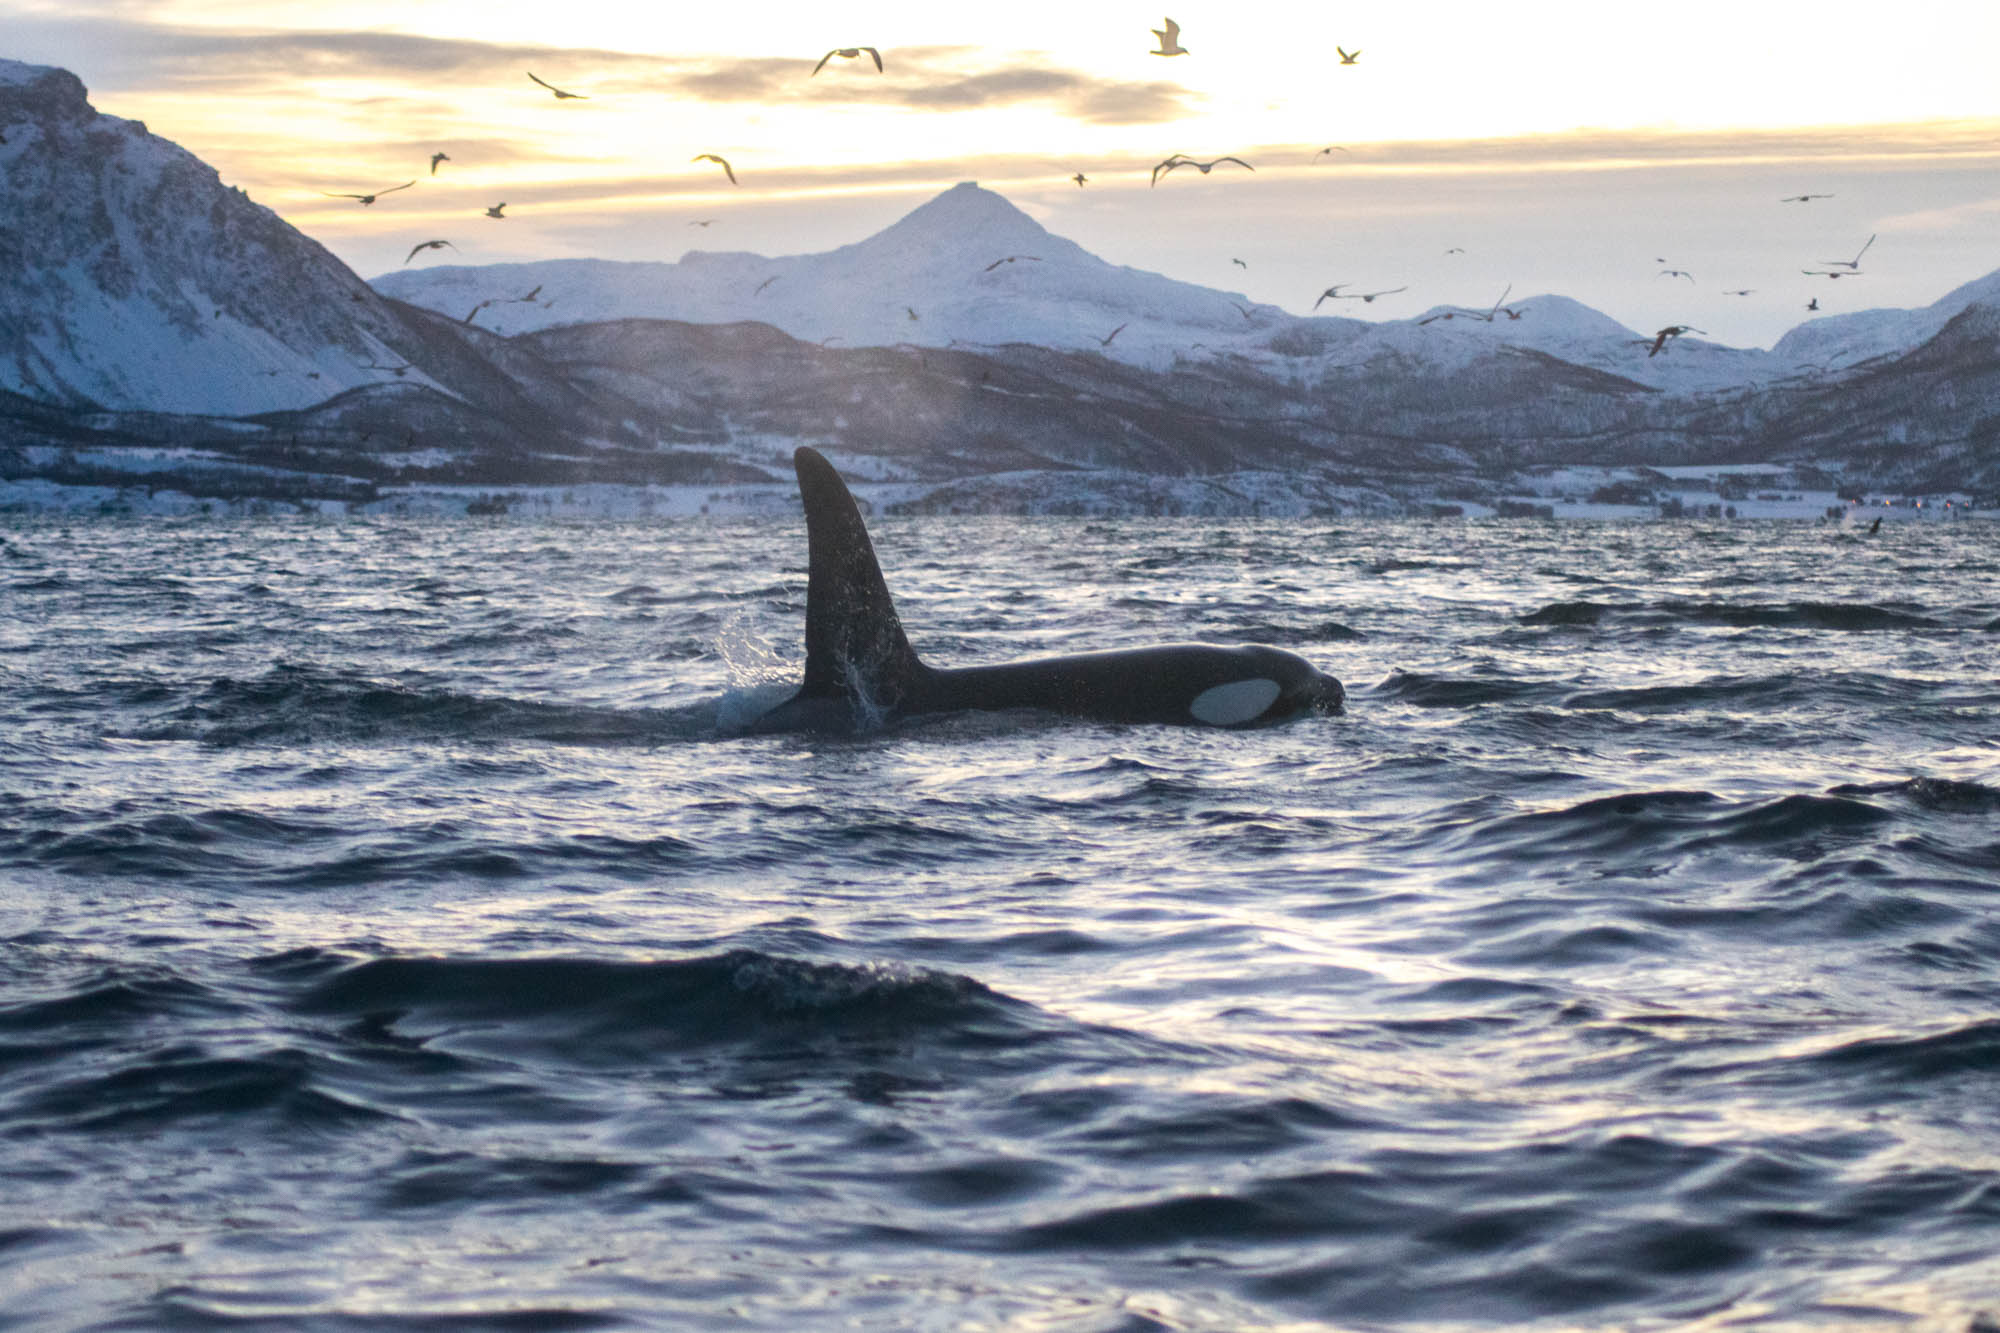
{"x": 134, "y": 279}
{"x": 154, "y": 322}
{"x": 1834, "y": 341}
{"x": 968, "y": 268}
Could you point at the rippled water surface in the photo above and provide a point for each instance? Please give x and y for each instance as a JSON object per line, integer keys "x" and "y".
{"x": 393, "y": 933}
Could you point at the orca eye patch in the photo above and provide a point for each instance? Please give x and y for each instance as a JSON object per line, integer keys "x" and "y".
{"x": 1233, "y": 704}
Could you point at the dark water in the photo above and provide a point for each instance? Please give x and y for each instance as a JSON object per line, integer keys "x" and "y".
{"x": 391, "y": 938}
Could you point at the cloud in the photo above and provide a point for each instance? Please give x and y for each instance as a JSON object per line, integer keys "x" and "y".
{"x": 145, "y": 57}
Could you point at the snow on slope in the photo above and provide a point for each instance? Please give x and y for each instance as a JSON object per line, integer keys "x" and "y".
{"x": 1833, "y": 341}
{"x": 136, "y": 280}
{"x": 968, "y": 267}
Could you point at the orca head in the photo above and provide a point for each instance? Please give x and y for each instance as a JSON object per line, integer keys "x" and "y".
{"x": 1275, "y": 686}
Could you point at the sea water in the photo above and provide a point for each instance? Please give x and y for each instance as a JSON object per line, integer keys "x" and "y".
{"x": 394, "y": 933}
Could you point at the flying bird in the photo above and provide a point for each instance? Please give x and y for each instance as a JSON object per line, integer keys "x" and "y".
{"x": 494, "y": 212}
{"x": 1347, "y": 57}
{"x": 765, "y": 283}
{"x": 1740, "y": 291}
{"x": 1813, "y": 304}
{"x": 1671, "y": 331}
{"x": 560, "y": 94}
{"x": 1079, "y": 178}
{"x": 1831, "y": 272}
{"x": 437, "y": 158}
{"x": 1178, "y": 160}
{"x": 1676, "y": 273}
{"x": 727, "y": 170}
{"x": 1802, "y": 198}
{"x": 427, "y": 245}
{"x": 1105, "y": 341}
{"x": 1239, "y": 263}
{"x": 1170, "y": 43}
{"x": 1033, "y": 259}
{"x": 912, "y": 311}
{"x": 701, "y": 222}
{"x": 848, "y": 53}
{"x": 1854, "y": 263}
{"x": 367, "y": 199}
{"x": 1456, "y": 250}
{"x": 1328, "y": 152}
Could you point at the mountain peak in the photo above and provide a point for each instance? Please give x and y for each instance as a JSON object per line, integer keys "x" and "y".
{"x": 964, "y": 218}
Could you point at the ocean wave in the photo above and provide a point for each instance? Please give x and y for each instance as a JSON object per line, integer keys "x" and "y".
{"x": 296, "y": 705}
{"x": 594, "y": 1010}
{"x": 1739, "y": 615}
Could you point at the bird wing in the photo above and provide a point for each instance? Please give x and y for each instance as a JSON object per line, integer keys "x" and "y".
{"x": 878, "y": 57}
{"x": 1389, "y": 292}
{"x": 1176, "y": 160}
{"x": 393, "y": 188}
{"x": 822, "y": 61}
{"x": 331, "y": 195}
{"x": 413, "y": 251}
{"x": 545, "y": 83}
{"x": 1237, "y": 160}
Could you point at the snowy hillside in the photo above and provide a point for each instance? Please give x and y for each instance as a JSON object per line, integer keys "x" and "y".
{"x": 136, "y": 280}
{"x": 1834, "y": 341}
{"x": 969, "y": 268}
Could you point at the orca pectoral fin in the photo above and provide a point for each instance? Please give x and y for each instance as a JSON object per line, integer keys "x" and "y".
{"x": 856, "y": 650}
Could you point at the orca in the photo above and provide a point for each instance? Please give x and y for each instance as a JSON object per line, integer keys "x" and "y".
{"x": 861, "y": 671}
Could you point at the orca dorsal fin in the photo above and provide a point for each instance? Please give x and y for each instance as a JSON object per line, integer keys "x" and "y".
{"x": 855, "y": 646}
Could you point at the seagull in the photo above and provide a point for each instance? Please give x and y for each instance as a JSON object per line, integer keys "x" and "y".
{"x": 1830, "y": 273}
{"x": 765, "y": 283}
{"x": 1033, "y": 259}
{"x": 1239, "y": 263}
{"x": 1740, "y": 291}
{"x": 701, "y": 222}
{"x": 912, "y": 310}
{"x": 1676, "y": 273}
{"x": 1813, "y": 304}
{"x": 1671, "y": 331}
{"x": 367, "y": 199}
{"x": 1347, "y": 57}
{"x": 1854, "y": 263}
{"x": 529, "y": 299}
{"x": 1079, "y": 178}
{"x": 848, "y": 53}
{"x": 494, "y": 212}
{"x": 1803, "y": 198}
{"x": 437, "y": 158}
{"x": 1243, "y": 310}
{"x": 427, "y": 245}
{"x": 1170, "y": 43}
{"x": 1327, "y": 152}
{"x": 1178, "y": 160}
{"x": 1105, "y": 341}
{"x": 1456, "y": 250}
{"x": 1333, "y": 291}
{"x": 560, "y": 94}
{"x": 727, "y": 170}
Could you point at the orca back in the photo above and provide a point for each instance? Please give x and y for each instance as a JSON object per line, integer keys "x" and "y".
{"x": 856, "y": 650}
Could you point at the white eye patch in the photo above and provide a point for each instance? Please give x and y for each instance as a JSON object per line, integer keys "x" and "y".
{"x": 1235, "y": 703}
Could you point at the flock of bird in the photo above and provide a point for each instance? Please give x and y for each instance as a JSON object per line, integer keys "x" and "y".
{"x": 1169, "y": 45}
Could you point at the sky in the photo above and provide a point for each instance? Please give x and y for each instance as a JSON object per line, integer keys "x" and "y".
{"x": 1565, "y": 147}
